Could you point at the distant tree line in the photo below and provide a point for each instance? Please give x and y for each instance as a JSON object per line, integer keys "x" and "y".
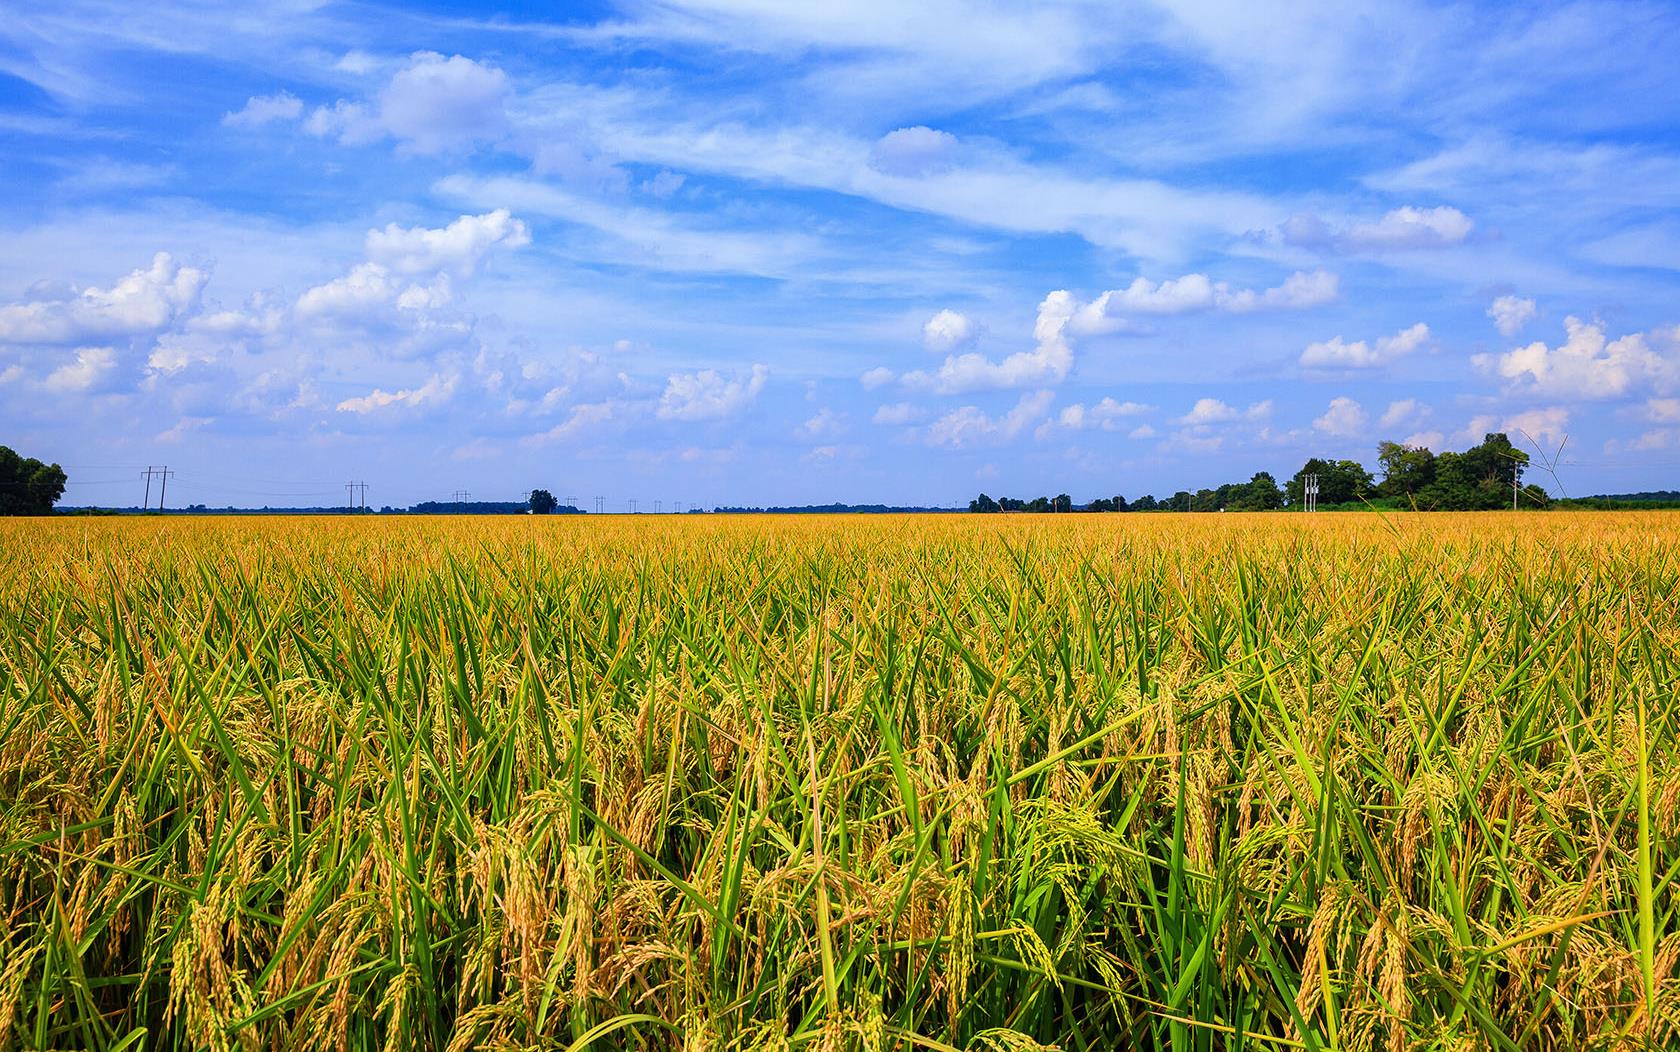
{"x": 1483, "y": 477}
{"x": 827, "y": 509}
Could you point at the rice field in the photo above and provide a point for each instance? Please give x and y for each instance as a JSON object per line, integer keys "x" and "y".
{"x": 946, "y": 782}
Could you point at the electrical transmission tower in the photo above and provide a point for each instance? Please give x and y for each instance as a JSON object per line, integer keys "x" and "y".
{"x": 600, "y": 505}
{"x": 147, "y": 503}
{"x": 571, "y": 502}
{"x": 461, "y": 496}
{"x": 632, "y": 505}
{"x": 658, "y": 506}
{"x": 162, "y": 474}
{"x": 355, "y": 489}
{"x": 1309, "y": 491}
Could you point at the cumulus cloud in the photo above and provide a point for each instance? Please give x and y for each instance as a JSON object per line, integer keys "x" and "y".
{"x": 456, "y": 249}
{"x": 1589, "y": 365}
{"x": 898, "y": 414}
{"x": 1047, "y": 363}
{"x": 433, "y": 105}
{"x": 265, "y": 109}
{"x": 969, "y": 426}
{"x": 1663, "y": 410}
{"x": 436, "y": 390}
{"x": 1208, "y": 411}
{"x": 946, "y": 331}
{"x": 144, "y": 303}
{"x": 92, "y": 364}
{"x": 1107, "y": 415}
{"x": 822, "y": 426}
{"x": 1546, "y": 424}
{"x": 1197, "y": 292}
{"x": 1400, "y": 229}
{"x": 709, "y": 395}
{"x": 880, "y": 376}
{"x": 441, "y": 254}
{"x": 1345, "y": 418}
{"x": 913, "y": 152}
{"x": 1510, "y": 314}
{"x": 1403, "y": 410}
{"x": 1337, "y": 354}
{"x": 582, "y": 417}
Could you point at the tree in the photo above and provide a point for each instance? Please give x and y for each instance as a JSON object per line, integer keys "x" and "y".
{"x": 1479, "y": 479}
{"x": 1259, "y": 493}
{"x": 983, "y": 503}
{"x": 27, "y": 486}
{"x": 1406, "y": 470}
{"x": 1062, "y": 502}
{"x": 543, "y": 502}
{"x": 1339, "y": 482}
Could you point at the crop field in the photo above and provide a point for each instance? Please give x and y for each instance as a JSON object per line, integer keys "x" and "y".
{"x": 944, "y": 782}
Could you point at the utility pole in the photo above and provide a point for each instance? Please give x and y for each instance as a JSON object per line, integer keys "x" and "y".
{"x": 658, "y": 506}
{"x": 461, "y": 496}
{"x": 600, "y": 505}
{"x": 632, "y": 505}
{"x": 1309, "y": 491}
{"x": 146, "y": 505}
{"x": 353, "y": 489}
{"x": 571, "y": 502}
{"x": 164, "y": 474}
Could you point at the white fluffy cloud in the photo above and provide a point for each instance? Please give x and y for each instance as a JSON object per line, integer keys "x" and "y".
{"x": 1402, "y": 228}
{"x": 946, "y": 331}
{"x": 1107, "y": 415}
{"x": 822, "y": 426}
{"x": 265, "y": 109}
{"x": 913, "y": 152}
{"x": 455, "y": 249}
{"x": 440, "y": 254}
{"x": 709, "y": 395}
{"x": 435, "y": 391}
{"x": 1047, "y": 363}
{"x": 1510, "y": 314}
{"x": 1663, "y": 410}
{"x": 1208, "y": 411}
{"x": 1196, "y": 292}
{"x": 1546, "y": 424}
{"x": 92, "y": 364}
{"x": 1403, "y": 410}
{"x": 879, "y": 376}
{"x": 1345, "y": 418}
{"x": 144, "y": 303}
{"x": 1588, "y": 365}
{"x": 433, "y": 105}
{"x": 969, "y": 426}
{"x": 1334, "y": 353}
{"x": 898, "y": 414}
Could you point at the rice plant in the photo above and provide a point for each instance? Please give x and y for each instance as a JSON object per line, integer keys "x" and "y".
{"x": 715, "y": 783}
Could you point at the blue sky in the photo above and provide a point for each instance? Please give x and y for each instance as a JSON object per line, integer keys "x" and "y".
{"x": 738, "y": 252}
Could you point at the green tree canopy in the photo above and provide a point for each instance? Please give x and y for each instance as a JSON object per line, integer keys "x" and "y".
{"x": 27, "y": 486}
{"x": 1339, "y": 481}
